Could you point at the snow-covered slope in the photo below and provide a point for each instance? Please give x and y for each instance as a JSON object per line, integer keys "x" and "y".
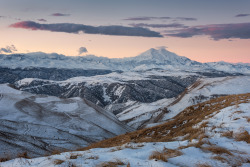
{"x": 228, "y": 67}
{"x": 215, "y": 135}
{"x": 140, "y": 98}
{"x": 163, "y": 59}
{"x": 153, "y": 58}
{"x": 41, "y": 124}
{"x": 114, "y": 88}
{"x": 140, "y": 114}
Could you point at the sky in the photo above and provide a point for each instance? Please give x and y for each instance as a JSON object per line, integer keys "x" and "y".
{"x": 205, "y": 31}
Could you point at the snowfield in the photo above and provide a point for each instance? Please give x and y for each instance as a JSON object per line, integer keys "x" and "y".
{"x": 231, "y": 150}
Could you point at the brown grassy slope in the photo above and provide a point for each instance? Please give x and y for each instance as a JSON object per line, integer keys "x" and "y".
{"x": 181, "y": 125}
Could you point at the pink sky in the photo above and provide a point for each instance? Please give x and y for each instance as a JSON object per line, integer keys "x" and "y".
{"x": 222, "y": 35}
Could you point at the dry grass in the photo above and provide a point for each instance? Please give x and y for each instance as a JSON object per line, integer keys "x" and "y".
{"x": 54, "y": 152}
{"x": 130, "y": 146}
{"x": 165, "y": 154}
{"x": 244, "y": 136}
{"x": 23, "y": 155}
{"x": 159, "y": 155}
{"x": 228, "y": 134}
{"x": 202, "y": 140}
{"x": 232, "y": 160}
{"x": 203, "y": 165}
{"x": 58, "y": 161}
{"x": 59, "y": 151}
{"x": 93, "y": 157}
{"x": 74, "y": 156}
{"x": 238, "y": 112}
{"x": 3, "y": 159}
{"x": 116, "y": 149}
{"x": 133, "y": 146}
{"x": 172, "y": 153}
{"x": 181, "y": 125}
{"x": 217, "y": 150}
{"x": 204, "y": 124}
{"x": 248, "y": 119}
{"x": 140, "y": 145}
{"x": 115, "y": 163}
{"x": 213, "y": 127}
{"x": 220, "y": 158}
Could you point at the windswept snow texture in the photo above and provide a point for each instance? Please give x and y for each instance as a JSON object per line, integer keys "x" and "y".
{"x": 234, "y": 152}
{"x": 140, "y": 115}
{"x": 41, "y": 124}
{"x": 153, "y": 58}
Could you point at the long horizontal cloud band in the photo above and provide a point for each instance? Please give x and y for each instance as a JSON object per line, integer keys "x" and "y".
{"x": 215, "y": 31}
{"x": 77, "y": 28}
{"x": 173, "y": 25}
{"x": 145, "y": 18}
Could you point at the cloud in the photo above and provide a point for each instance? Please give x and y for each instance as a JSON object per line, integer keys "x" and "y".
{"x": 242, "y": 15}
{"x": 186, "y": 18}
{"x": 77, "y": 28}
{"x": 43, "y": 20}
{"x": 145, "y": 18}
{"x": 173, "y": 25}
{"x": 9, "y": 17}
{"x": 59, "y": 14}
{"x": 8, "y": 49}
{"x": 82, "y": 50}
{"x": 215, "y": 31}
{"x": 161, "y": 47}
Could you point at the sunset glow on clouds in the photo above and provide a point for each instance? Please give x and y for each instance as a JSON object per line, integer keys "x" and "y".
{"x": 202, "y": 31}
{"x": 77, "y": 28}
{"x": 216, "y": 31}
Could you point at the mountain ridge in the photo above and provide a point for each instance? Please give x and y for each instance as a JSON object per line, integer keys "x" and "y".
{"x": 152, "y": 58}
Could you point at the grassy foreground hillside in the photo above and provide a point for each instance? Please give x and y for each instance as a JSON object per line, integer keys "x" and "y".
{"x": 212, "y": 133}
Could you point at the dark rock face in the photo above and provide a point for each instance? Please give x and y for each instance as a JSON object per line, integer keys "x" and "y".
{"x": 102, "y": 94}
{"x": 214, "y": 73}
{"x": 9, "y": 75}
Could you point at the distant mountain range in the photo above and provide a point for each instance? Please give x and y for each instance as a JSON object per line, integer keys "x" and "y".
{"x": 151, "y": 59}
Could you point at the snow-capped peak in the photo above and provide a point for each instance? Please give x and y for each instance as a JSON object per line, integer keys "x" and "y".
{"x": 161, "y": 56}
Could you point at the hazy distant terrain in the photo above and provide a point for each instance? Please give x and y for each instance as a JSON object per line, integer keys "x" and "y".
{"x": 152, "y": 58}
